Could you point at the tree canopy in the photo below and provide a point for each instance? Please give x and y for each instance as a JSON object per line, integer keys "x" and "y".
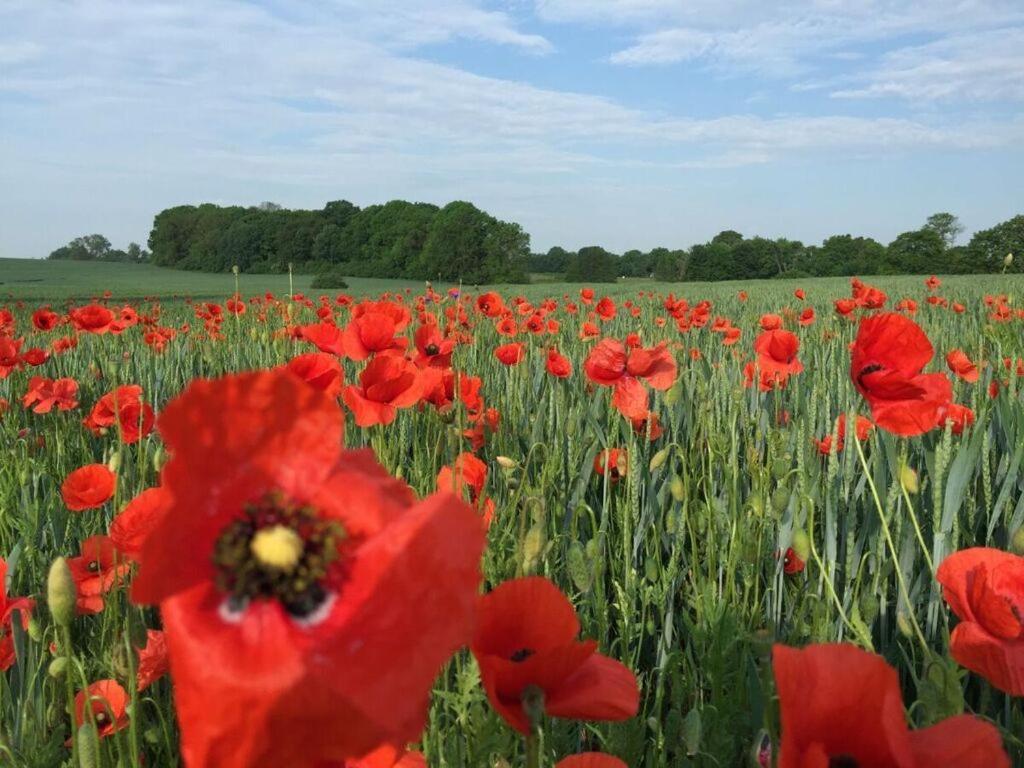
{"x": 396, "y": 239}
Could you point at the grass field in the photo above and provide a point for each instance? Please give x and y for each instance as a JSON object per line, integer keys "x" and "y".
{"x": 725, "y": 527}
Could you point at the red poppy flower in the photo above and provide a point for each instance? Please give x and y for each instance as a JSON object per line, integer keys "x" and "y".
{"x": 9, "y": 608}
{"x": 108, "y": 702}
{"x": 511, "y": 354}
{"x": 44, "y": 394}
{"x": 777, "y": 353}
{"x": 96, "y": 571}
{"x": 35, "y": 356}
{"x": 771, "y": 322}
{"x": 469, "y": 473}
{"x": 558, "y": 365}
{"x": 608, "y": 364}
{"x": 731, "y": 336}
{"x": 886, "y": 362}
{"x": 613, "y": 461}
{"x": 985, "y": 589}
{"x": 842, "y": 706}
{"x": 807, "y": 317}
{"x": 318, "y": 598}
{"x": 125, "y": 407}
{"x": 370, "y": 333}
{"x": 648, "y": 426}
{"x": 590, "y": 760}
{"x": 742, "y": 296}
{"x": 133, "y": 523}
{"x": 490, "y": 304}
{"x": 792, "y": 563}
{"x": 10, "y": 355}
{"x": 933, "y": 283}
{"x": 94, "y": 318}
{"x": 845, "y": 307}
{"x": 526, "y": 638}
{"x": 799, "y": 293}
{"x": 320, "y": 370}
{"x": 587, "y": 296}
{"x": 605, "y": 308}
{"x": 153, "y": 661}
{"x": 388, "y": 382}
{"x": 960, "y": 364}
{"x": 44, "y": 319}
{"x": 958, "y": 417}
{"x": 432, "y": 348}
{"x": 88, "y": 487}
{"x": 326, "y": 336}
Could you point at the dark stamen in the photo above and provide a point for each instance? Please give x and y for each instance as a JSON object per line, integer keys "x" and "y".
{"x": 522, "y": 655}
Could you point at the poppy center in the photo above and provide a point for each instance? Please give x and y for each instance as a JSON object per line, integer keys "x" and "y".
{"x": 277, "y": 550}
{"x": 868, "y": 369}
{"x": 94, "y": 566}
{"x": 522, "y": 655}
{"x": 432, "y": 349}
{"x": 842, "y": 761}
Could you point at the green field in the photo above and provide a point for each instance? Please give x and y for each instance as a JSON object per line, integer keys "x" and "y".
{"x": 40, "y": 280}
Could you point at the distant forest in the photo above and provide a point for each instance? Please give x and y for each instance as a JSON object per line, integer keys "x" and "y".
{"x": 460, "y": 242}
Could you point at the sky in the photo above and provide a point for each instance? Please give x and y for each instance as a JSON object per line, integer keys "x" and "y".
{"x": 623, "y": 123}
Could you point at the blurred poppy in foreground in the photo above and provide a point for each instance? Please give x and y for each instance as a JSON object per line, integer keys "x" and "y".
{"x": 842, "y": 707}
{"x": 985, "y": 589}
{"x": 526, "y": 646}
{"x": 591, "y": 760}
{"x": 308, "y": 599}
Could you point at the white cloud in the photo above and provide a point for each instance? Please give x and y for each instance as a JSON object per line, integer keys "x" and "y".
{"x": 984, "y": 66}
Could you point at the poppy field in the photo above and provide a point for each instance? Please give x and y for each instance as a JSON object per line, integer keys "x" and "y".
{"x": 766, "y": 524}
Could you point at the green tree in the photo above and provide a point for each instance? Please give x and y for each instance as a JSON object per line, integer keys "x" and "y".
{"x": 85, "y": 248}
{"x": 917, "y": 253}
{"x": 593, "y": 264}
{"x": 988, "y": 248}
{"x": 945, "y": 225}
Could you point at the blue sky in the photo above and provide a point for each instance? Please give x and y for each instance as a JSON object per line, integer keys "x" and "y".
{"x": 626, "y": 123}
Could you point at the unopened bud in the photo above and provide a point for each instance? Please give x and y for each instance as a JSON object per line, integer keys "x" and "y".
{"x": 58, "y": 668}
{"x": 506, "y": 463}
{"x": 801, "y": 544}
{"x": 61, "y": 593}
{"x": 87, "y": 744}
{"x": 909, "y": 480}
{"x": 677, "y": 488}
{"x": 903, "y": 624}
{"x": 1008, "y": 260}
{"x": 114, "y": 462}
{"x": 1017, "y": 542}
{"x": 658, "y": 459}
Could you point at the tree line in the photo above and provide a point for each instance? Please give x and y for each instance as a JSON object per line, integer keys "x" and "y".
{"x": 396, "y": 239}
{"x": 460, "y": 242}
{"x": 98, "y": 248}
{"x": 729, "y": 255}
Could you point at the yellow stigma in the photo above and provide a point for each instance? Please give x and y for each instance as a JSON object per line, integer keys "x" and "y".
{"x": 277, "y": 547}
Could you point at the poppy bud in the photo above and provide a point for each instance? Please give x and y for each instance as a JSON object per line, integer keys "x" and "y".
{"x": 506, "y": 463}
{"x": 114, "y": 463}
{"x": 87, "y": 743}
{"x": 801, "y": 544}
{"x": 908, "y": 479}
{"x": 903, "y": 624}
{"x": 533, "y": 546}
{"x": 673, "y": 394}
{"x": 123, "y": 661}
{"x": 1008, "y": 260}
{"x": 159, "y": 459}
{"x": 35, "y": 631}
{"x": 780, "y": 500}
{"x": 781, "y": 467}
{"x": 658, "y": 459}
{"x": 1017, "y": 542}
{"x": 868, "y": 607}
{"x": 692, "y": 730}
{"x": 579, "y": 571}
{"x": 61, "y": 592}
{"x": 677, "y": 488}
{"x": 58, "y": 668}
{"x": 234, "y": 270}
